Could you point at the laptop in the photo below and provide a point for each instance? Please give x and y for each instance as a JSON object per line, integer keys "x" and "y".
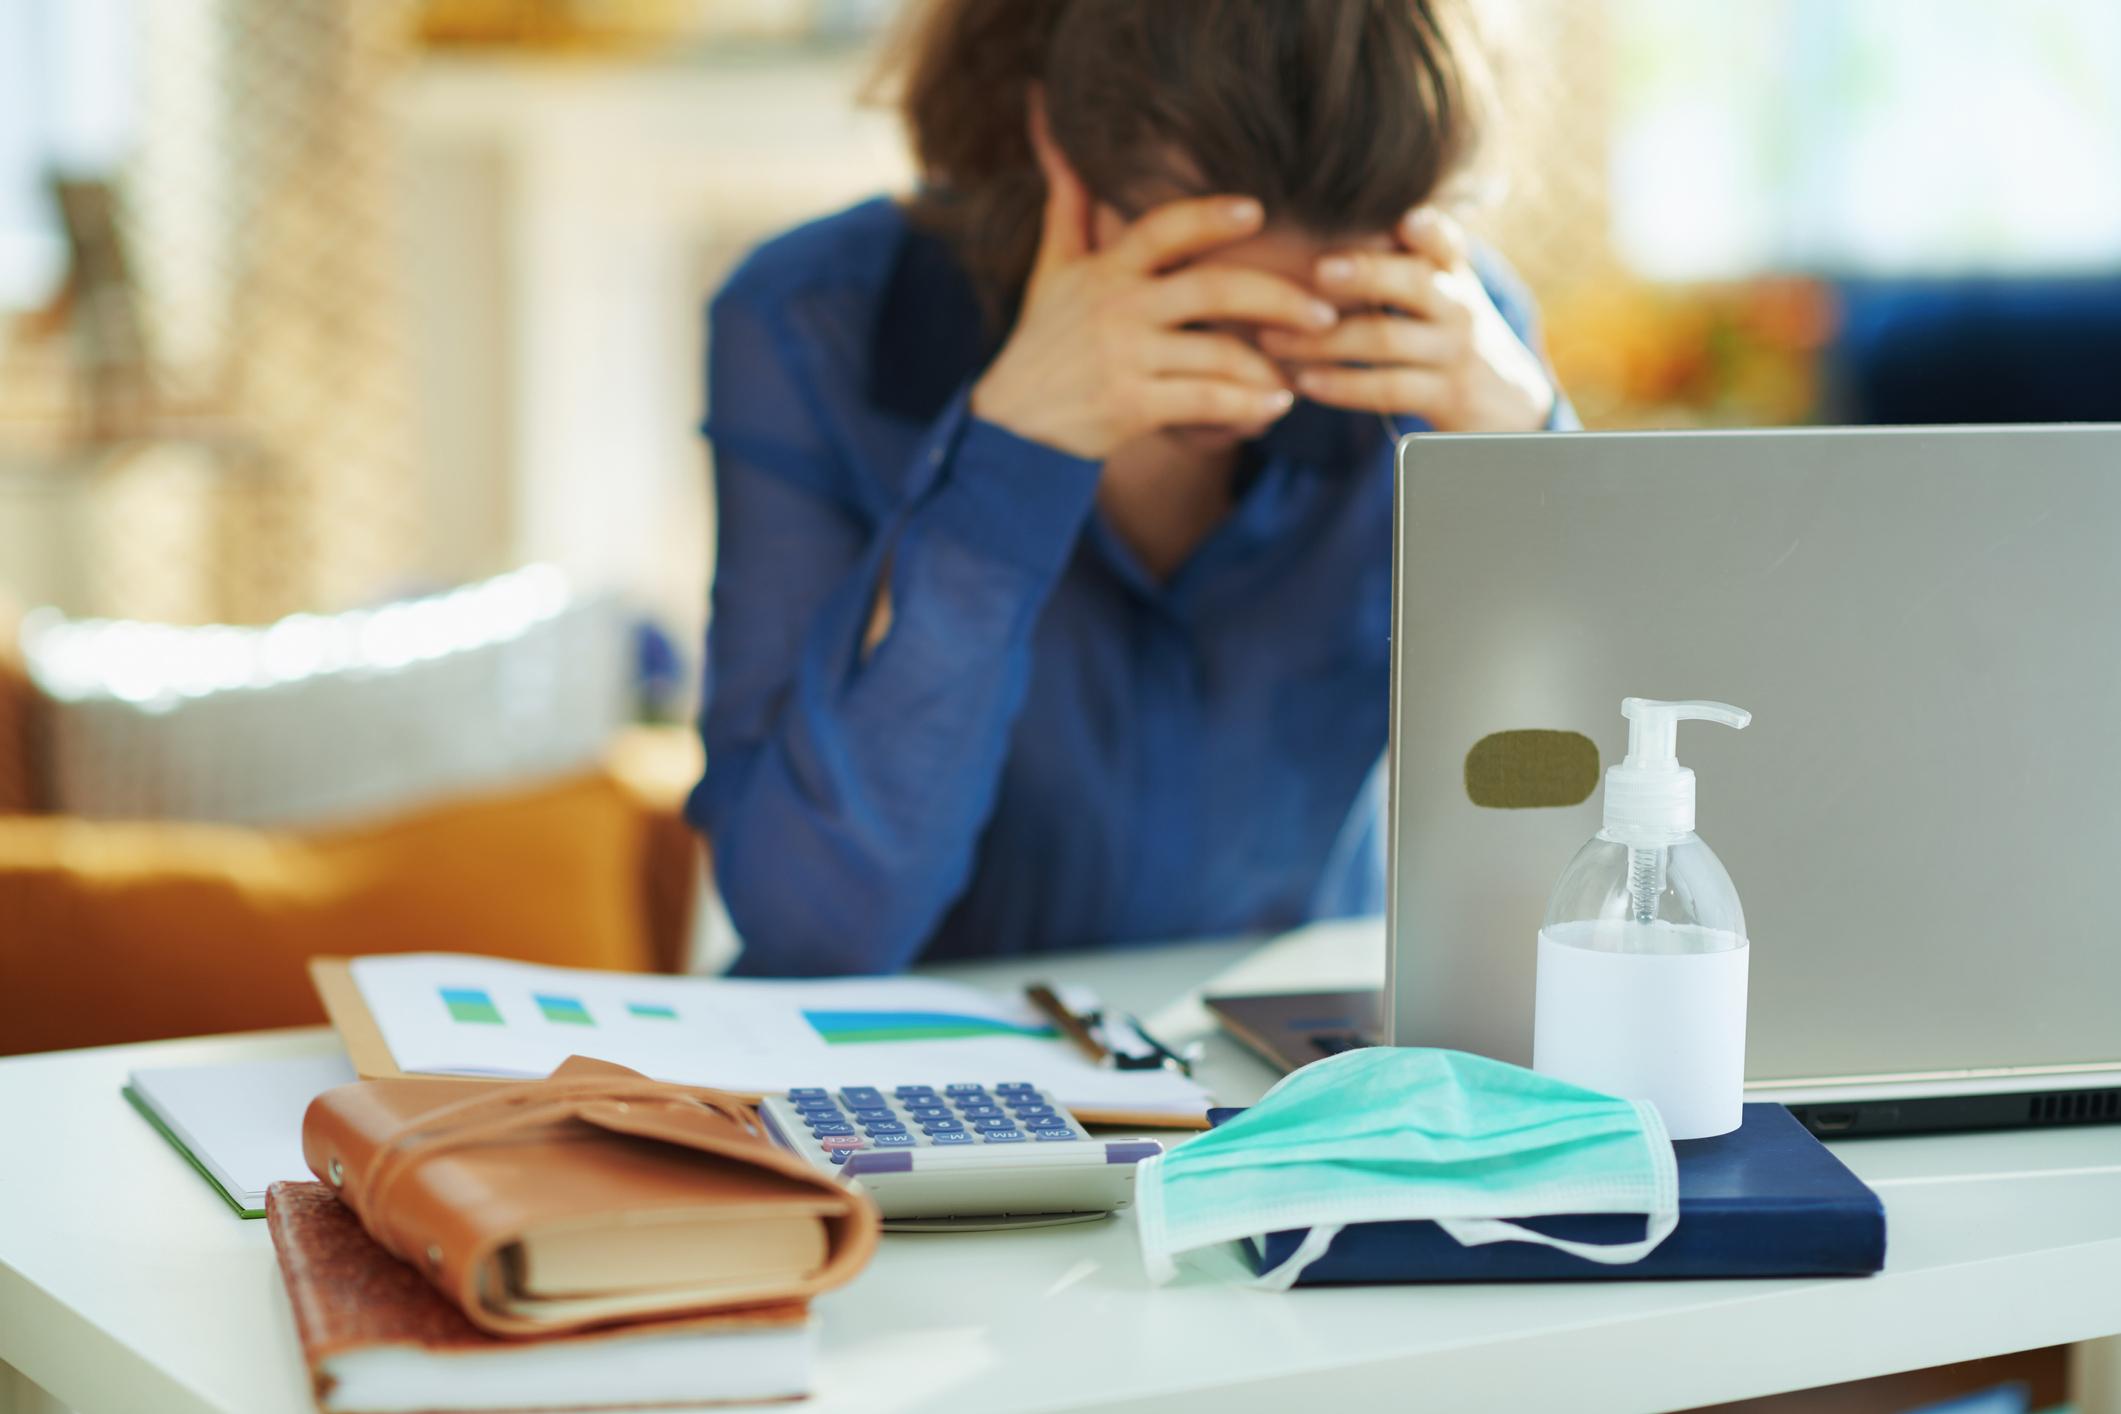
{"x": 1923, "y": 822}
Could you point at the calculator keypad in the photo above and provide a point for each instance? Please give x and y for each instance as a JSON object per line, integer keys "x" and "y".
{"x": 860, "y": 1117}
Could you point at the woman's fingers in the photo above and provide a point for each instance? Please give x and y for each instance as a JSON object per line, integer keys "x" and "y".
{"x": 1212, "y": 356}
{"x": 1428, "y": 232}
{"x": 1179, "y": 230}
{"x": 1410, "y": 283}
{"x": 1065, "y": 233}
{"x": 1210, "y": 294}
{"x": 1178, "y": 402}
{"x": 1369, "y": 338}
{"x": 1421, "y": 391}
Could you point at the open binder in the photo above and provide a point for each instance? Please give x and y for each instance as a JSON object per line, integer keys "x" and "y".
{"x": 808, "y": 1033}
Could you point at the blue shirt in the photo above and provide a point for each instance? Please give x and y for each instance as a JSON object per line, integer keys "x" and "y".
{"x": 1050, "y": 748}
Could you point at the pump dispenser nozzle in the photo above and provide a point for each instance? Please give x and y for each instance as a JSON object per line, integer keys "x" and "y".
{"x": 1649, "y": 798}
{"x": 1650, "y": 794}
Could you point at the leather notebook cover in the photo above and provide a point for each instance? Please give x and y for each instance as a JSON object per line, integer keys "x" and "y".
{"x": 1766, "y": 1200}
{"x": 593, "y": 1196}
{"x": 360, "y": 1312}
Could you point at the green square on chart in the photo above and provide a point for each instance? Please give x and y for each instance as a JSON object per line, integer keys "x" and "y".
{"x": 568, "y": 1011}
{"x": 471, "y": 1004}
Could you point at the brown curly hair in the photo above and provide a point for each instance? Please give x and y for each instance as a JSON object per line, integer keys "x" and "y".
{"x": 1338, "y": 115}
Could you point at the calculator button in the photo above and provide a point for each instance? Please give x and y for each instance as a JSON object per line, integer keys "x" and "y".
{"x": 1046, "y": 1122}
{"x": 862, "y": 1097}
{"x": 942, "y": 1126}
{"x": 909, "y": 1092}
{"x": 900, "y": 1140}
{"x": 1018, "y": 1086}
{"x": 949, "y": 1136}
{"x": 964, "y": 1089}
{"x": 980, "y": 1111}
{"x": 872, "y": 1116}
{"x": 1031, "y": 1111}
{"x": 925, "y": 1113}
{"x": 839, "y": 1156}
{"x": 1004, "y": 1136}
{"x": 838, "y": 1142}
{"x": 823, "y": 1128}
{"x": 820, "y": 1102}
{"x": 808, "y": 1092}
{"x": 1052, "y": 1134}
{"x": 884, "y": 1126}
{"x": 993, "y": 1126}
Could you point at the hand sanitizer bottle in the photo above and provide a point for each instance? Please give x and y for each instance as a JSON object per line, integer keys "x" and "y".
{"x": 1642, "y": 961}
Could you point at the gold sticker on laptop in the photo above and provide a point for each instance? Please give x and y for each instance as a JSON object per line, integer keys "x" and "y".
{"x": 1525, "y": 770}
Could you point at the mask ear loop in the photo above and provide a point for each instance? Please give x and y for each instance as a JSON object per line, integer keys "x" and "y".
{"x": 1283, "y": 1276}
{"x": 1663, "y": 1216}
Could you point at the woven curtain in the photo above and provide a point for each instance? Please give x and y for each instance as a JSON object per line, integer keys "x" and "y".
{"x": 263, "y": 221}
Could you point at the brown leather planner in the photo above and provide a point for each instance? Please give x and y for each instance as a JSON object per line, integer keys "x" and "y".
{"x": 590, "y": 1197}
{"x": 377, "y": 1336}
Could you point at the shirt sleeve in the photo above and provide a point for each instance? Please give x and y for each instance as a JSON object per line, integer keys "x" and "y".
{"x": 846, "y": 792}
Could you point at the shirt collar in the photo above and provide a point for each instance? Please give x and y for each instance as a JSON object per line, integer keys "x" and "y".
{"x": 930, "y": 336}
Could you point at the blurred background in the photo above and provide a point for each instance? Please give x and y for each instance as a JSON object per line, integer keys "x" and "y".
{"x": 309, "y": 304}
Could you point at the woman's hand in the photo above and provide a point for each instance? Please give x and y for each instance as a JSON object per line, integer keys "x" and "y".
{"x": 1440, "y": 350}
{"x": 1102, "y": 354}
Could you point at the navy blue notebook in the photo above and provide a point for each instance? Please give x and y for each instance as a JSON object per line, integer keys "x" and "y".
{"x": 1766, "y": 1200}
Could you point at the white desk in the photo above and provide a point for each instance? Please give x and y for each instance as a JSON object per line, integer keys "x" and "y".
{"x": 127, "y": 1287}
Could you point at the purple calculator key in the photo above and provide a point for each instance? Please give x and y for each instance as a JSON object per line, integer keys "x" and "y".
{"x": 941, "y": 1126}
{"x": 884, "y": 1126}
{"x": 993, "y": 1126}
{"x": 964, "y": 1089}
{"x": 980, "y": 1111}
{"x": 1052, "y": 1134}
{"x": 949, "y": 1136}
{"x": 1004, "y": 1136}
{"x": 830, "y": 1127}
{"x": 808, "y": 1092}
{"x": 900, "y": 1140}
{"x": 1031, "y": 1111}
{"x": 924, "y": 1113}
{"x": 839, "y": 1156}
{"x": 1015, "y": 1086}
{"x": 1045, "y": 1122}
{"x": 862, "y": 1097}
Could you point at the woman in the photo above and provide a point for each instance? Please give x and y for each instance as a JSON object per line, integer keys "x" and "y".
{"x": 1054, "y": 504}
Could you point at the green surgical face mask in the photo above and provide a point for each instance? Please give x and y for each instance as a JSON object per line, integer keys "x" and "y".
{"x": 1393, "y": 1134}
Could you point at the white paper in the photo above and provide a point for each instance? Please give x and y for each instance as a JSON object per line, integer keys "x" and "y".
{"x": 754, "y": 1037}
{"x": 242, "y": 1122}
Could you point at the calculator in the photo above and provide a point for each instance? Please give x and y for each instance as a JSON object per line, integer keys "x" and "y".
{"x": 959, "y": 1156}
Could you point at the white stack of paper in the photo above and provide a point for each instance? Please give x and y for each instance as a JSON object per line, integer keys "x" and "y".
{"x": 241, "y": 1124}
{"x": 442, "y": 1013}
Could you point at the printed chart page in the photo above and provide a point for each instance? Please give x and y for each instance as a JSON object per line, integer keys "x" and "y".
{"x": 441, "y": 1013}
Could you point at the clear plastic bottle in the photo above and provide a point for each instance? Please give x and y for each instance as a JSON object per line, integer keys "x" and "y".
{"x": 1643, "y": 957}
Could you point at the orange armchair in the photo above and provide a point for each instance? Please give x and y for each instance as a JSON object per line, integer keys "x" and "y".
{"x": 130, "y": 931}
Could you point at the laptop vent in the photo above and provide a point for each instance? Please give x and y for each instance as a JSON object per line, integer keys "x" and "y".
{"x": 2075, "y": 1106}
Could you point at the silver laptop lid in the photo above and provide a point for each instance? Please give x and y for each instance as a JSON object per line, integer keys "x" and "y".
{"x": 1924, "y": 821}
